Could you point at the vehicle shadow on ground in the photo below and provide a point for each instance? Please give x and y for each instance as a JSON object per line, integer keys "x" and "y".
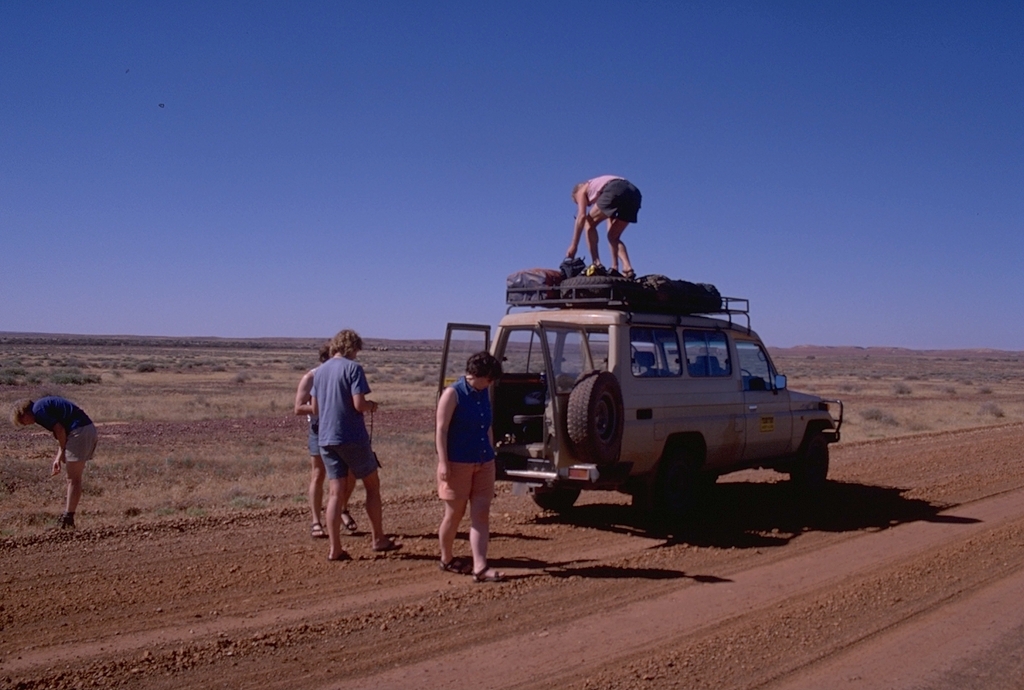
{"x": 760, "y": 515}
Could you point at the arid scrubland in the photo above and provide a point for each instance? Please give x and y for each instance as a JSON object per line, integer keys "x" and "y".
{"x": 202, "y": 426}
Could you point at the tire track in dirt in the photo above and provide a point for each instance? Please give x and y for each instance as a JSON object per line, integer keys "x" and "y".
{"x": 286, "y": 618}
{"x": 684, "y": 612}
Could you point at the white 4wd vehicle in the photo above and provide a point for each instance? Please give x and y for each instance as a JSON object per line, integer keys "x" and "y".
{"x": 606, "y": 388}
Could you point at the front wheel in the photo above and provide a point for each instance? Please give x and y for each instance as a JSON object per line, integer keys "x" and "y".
{"x": 810, "y": 471}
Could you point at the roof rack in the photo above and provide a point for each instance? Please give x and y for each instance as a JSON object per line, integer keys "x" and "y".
{"x": 628, "y": 297}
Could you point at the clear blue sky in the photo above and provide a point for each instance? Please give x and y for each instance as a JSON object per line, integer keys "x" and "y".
{"x": 855, "y": 169}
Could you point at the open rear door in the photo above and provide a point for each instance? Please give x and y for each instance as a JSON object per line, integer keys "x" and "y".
{"x": 566, "y": 357}
{"x": 460, "y": 341}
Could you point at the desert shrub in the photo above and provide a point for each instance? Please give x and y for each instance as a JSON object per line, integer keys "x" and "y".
{"x": 8, "y": 378}
{"x": 991, "y": 409}
{"x": 73, "y": 377}
{"x": 145, "y": 367}
{"x": 912, "y": 377}
{"x": 985, "y": 390}
{"x": 848, "y": 388}
{"x": 874, "y": 414}
{"x": 901, "y": 389}
{"x": 242, "y": 377}
{"x": 219, "y": 368}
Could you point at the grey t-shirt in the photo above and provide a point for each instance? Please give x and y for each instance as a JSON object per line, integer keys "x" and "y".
{"x": 335, "y": 382}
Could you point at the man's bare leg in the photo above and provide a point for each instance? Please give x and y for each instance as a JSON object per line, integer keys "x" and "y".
{"x": 618, "y": 248}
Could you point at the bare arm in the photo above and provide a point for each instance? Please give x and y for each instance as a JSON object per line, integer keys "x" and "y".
{"x": 303, "y": 400}
{"x": 446, "y": 405}
{"x": 363, "y": 405}
{"x": 582, "y": 220}
{"x": 61, "y": 434}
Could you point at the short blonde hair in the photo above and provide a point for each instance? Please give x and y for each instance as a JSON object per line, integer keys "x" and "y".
{"x": 20, "y": 409}
{"x": 346, "y": 343}
{"x": 576, "y": 189}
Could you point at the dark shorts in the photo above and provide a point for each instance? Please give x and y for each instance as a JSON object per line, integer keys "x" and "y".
{"x": 348, "y": 457}
{"x": 619, "y": 199}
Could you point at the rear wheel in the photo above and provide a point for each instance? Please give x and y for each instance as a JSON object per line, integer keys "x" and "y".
{"x": 810, "y": 471}
{"x": 558, "y": 500}
{"x": 678, "y": 486}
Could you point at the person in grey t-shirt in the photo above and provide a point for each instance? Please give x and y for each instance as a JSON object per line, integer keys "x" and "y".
{"x": 339, "y": 402}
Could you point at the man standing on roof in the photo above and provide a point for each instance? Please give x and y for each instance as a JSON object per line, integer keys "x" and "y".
{"x": 610, "y": 198}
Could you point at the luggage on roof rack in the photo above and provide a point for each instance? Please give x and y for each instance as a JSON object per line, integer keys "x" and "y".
{"x": 652, "y": 294}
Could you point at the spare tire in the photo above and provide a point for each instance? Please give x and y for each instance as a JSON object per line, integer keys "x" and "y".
{"x": 594, "y": 418}
{"x": 608, "y": 287}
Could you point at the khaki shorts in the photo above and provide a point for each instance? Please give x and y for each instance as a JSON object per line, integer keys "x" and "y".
{"x": 467, "y": 480}
{"x": 81, "y": 444}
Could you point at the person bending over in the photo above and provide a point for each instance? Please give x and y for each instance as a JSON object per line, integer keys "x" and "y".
{"x": 609, "y": 198}
{"x": 76, "y": 440}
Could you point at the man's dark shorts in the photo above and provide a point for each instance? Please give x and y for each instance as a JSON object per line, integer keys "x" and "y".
{"x": 348, "y": 457}
{"x": 619, "y": 199}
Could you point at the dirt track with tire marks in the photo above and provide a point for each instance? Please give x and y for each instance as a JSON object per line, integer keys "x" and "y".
{"x": 915, "y": 549}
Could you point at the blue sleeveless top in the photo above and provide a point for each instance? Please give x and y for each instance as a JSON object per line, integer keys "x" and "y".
{"x": 467, "y": 432}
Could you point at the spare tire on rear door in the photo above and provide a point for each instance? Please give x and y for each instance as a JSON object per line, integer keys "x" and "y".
{"x": 594, "y": 418}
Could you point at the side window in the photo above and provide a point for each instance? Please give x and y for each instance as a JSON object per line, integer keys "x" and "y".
{"x": 522, "y": 353}
{"x": 654, "y": 352}
{"x": 754, "y": 366}
{"x": 707, "y": 354}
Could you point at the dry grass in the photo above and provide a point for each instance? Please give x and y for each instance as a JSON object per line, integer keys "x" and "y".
{"x": 892, "y": 392}
{"x": 162, "y": 382}
{"x": 155, "y": 381}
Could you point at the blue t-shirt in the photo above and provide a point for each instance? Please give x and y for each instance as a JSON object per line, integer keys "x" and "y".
{"x": 467, "y": 432}
{"x": 335, "y": 382}
{"x": 51, "y": 410}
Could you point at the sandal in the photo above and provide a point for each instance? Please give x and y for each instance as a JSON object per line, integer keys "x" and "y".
{"x": 343, "y": 556}
{"x": 629, "y": 274}
{"x": 347, "y": 521}
{"x": 389, "y": 545}
{"x": 316, "y": 531}
{"x": 488, "y": 575}
{"x": 457, "y": 565}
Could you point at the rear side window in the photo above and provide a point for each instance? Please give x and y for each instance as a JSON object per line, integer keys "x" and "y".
{"x": 707, "y": 354}
{"x": 522, "y": 353}
{"x": 654, "y": 352}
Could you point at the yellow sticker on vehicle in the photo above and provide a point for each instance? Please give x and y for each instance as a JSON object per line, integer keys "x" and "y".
{"x": 767, "y": 424}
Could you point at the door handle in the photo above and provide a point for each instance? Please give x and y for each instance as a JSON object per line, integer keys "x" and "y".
{"x": 753, "y": 408}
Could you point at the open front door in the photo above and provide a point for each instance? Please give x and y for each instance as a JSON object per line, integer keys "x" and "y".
{"x": 460, "y": 341}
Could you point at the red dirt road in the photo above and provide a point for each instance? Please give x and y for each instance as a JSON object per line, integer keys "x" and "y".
{"x": 908, "y": 573}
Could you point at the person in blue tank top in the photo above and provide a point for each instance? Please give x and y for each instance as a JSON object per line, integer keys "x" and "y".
{"x": 76, "y": 441}
{"x": 465, "y": 465}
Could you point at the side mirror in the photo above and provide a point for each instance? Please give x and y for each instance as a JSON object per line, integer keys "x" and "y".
{"x": 780, "y": 382}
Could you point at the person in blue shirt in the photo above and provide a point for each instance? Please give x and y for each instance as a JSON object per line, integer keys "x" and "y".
{"x": 465, "y": 465}
{"x": 76, "y": 440}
